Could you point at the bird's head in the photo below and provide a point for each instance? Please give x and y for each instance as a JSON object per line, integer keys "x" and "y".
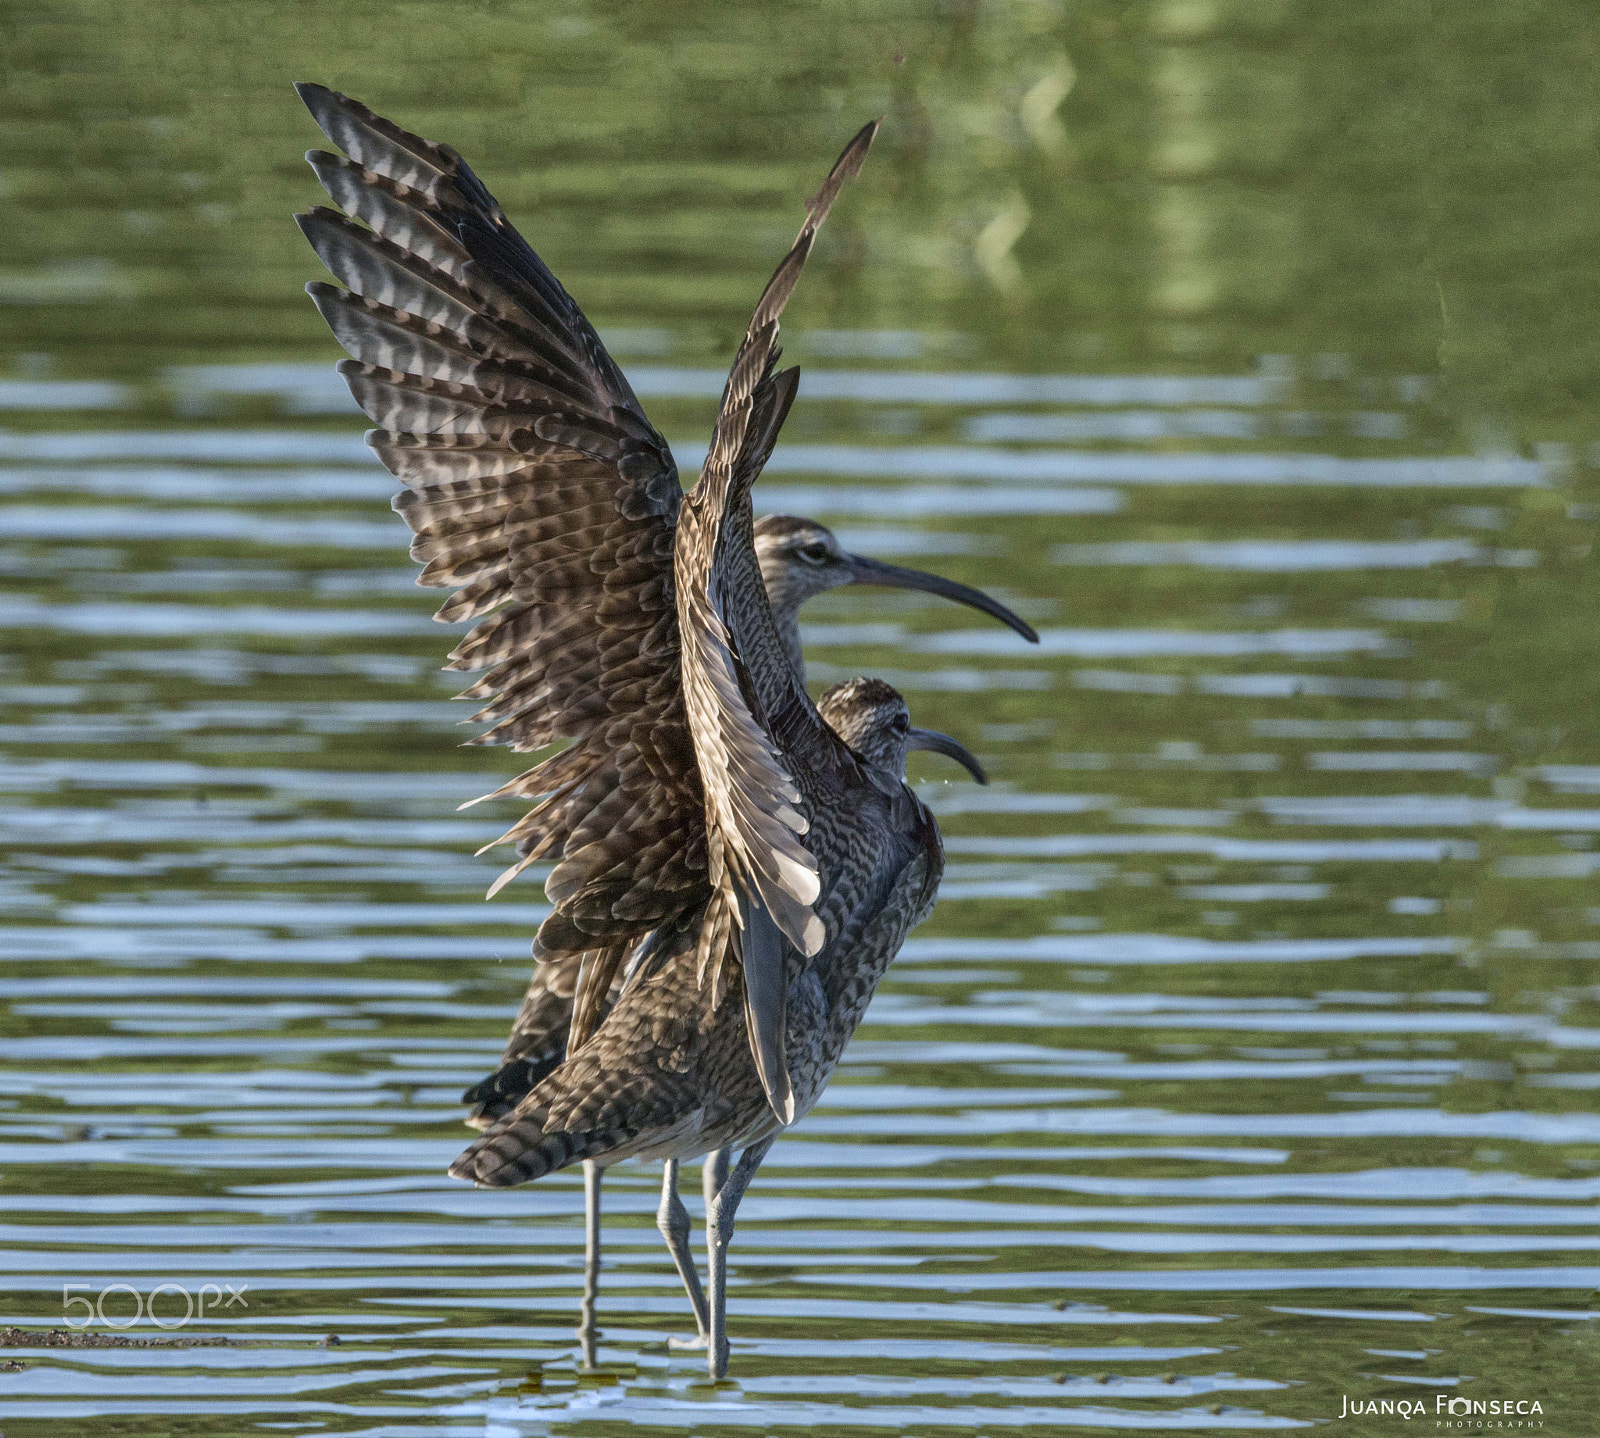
{"x": 872, "y": 718}
{"x": 800, "y": 559}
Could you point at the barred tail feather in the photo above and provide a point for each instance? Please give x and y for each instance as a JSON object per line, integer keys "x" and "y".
{"x": 519, "y": 1151}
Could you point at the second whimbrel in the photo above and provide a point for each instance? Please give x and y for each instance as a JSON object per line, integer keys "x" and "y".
{"x": 668, "y": 1074}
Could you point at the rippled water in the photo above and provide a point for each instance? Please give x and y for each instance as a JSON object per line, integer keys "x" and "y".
{"x": 1248, "y": 1065}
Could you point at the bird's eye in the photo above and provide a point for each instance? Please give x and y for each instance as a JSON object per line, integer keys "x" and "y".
{"x": 813, "y": 553}
{"x": 900, "y": 724}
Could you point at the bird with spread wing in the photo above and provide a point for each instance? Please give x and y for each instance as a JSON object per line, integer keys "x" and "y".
{"x": 734, "y": 867}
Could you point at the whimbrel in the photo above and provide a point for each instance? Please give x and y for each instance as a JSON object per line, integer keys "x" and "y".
{"x": 624, "y": 619}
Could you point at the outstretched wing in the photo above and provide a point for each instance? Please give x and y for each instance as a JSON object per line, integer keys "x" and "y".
{"x": 758, "y": 738}
{"x": 538, "y": 491}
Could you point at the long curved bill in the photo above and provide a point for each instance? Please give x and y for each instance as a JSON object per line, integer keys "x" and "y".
{"x": 931, "y": 741}
{"x": 893, "y": 576}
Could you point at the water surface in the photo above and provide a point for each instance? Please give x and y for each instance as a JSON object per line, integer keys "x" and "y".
{"x": 1250, "y": 1059}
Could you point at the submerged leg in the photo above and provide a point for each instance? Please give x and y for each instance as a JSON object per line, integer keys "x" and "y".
{"x": 588, "y": 1334}
{"x": 672, "y": 1218}
{"x": 720, "y": 1213}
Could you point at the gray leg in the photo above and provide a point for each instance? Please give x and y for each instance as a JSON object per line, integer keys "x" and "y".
{"x": 714, "y": 1173}
{"x": 588, "y": 1334}
{"x": 672, "y": 1218}
{"x": 719, "y": 1229}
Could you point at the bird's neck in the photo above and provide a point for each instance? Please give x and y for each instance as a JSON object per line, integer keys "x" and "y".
{"x": 766, "y": 636}
{"x": 786, "y": 619}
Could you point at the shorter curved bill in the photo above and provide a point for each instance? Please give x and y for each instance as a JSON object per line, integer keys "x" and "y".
{"x": 931, "y": 741}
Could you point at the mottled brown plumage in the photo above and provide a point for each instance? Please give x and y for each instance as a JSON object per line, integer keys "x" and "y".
{"x": 799, "y": 559}
{"x": 712, "y": 834}
{"x": 668, "y": 1075}
{"x": 668, "y": 1072}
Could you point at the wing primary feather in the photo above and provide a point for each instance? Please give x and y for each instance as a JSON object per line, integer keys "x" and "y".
{"x": 378, "y": 144}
